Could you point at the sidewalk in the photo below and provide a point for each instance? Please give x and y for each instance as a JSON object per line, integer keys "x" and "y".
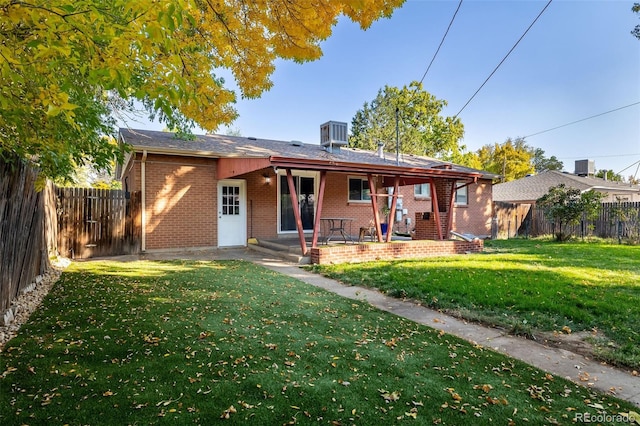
{"x": 574, "y": 367}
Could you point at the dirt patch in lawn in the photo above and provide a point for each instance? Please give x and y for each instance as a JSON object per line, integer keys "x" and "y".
{"x": 581, "y": 342}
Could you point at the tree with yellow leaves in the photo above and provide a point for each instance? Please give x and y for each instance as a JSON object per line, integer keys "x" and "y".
{"x": 67, "y": 66}
{"x": 511, "y": 160}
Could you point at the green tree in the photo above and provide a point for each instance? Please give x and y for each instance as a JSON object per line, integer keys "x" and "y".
{"x": 625, "y": 215}
{"x": 542, "y": 163}
{"x": 566, "y": 206}
{"x": 609, "y": 175}
{"x": 89, "y": 176}
{"x": 68, "y": 66}
{"x": 421, "y": 128}
{"x": 636, "y": 31}
{"x": 511, "y": 159}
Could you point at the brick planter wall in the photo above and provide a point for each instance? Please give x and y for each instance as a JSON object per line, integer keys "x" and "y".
{"x": 354, "y": 253}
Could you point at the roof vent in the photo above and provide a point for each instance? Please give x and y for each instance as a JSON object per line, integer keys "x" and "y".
{"x": 252, "y": 138}
{"x": 295, "y": 143}
{"x": 333, "y": 134}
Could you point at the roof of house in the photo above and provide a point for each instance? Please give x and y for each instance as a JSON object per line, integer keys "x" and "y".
{"x": 292, "y": 154}
{"x": 532, "y": 187}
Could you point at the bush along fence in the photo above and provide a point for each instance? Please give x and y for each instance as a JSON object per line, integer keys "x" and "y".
{"x": 615, "y": 221}
{"x": 27, "y": 232}
{"x": 98, "y": 222}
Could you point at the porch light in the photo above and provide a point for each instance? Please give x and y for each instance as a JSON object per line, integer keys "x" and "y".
{"x": 267, "y": 178}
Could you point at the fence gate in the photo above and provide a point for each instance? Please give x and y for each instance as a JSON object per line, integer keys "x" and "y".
{"x": 98, "y": 222}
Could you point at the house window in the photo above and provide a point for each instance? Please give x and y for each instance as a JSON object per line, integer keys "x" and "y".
{"x": 461, "y": 194}
{"x": 422, "y": 190}
{"x": 359, "y": 189}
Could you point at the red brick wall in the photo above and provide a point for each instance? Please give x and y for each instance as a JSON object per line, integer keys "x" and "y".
{"x": 262, "y": 204}
{"x": 353, "y": 253}
{"x": 131, "y": 175}
{"x": 181, "y": 196}
{"x": 187, "y": 188}
{"x": 474, "y": 218}
{"x": 337, "y": 204}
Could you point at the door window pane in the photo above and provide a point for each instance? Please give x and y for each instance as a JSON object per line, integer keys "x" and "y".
{"x": 231, "y": 200}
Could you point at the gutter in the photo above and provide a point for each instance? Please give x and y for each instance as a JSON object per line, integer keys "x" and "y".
{"x": 178, "y": 152}
{"x": 611, "y": 189}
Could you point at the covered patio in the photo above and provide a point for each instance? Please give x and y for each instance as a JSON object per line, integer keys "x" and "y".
{"x": 378, "y": 176}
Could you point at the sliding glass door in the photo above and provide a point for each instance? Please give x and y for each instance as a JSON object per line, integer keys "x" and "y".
{"x": 306, "y": 188}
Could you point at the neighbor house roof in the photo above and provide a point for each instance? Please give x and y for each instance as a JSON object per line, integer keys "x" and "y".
{"x": 292, "y": 154}
{"x": 530, "y": 188}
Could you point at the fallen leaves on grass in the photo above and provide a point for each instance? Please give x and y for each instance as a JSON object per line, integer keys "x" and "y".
{"x": 389, "y": 396}
{"x": 226, "y": 414}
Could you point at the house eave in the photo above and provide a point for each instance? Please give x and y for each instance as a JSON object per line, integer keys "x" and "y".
{"x": 173, "y": 151}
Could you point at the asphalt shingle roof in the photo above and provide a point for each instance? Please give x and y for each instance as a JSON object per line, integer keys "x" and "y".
{"x": 221, "y": 146}
{"x": 532, "y": 187}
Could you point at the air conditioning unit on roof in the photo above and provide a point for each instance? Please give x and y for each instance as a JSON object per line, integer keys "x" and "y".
{"x": 585, "y": 168}
{"x": 333, "y": 134}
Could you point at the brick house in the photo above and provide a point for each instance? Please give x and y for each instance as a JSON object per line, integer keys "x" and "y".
{"x": 218, "y": 191}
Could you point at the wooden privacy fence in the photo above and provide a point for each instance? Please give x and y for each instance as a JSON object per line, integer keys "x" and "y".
{"x": 98, "y": 222}
{"x": 614, "y": 220}
{"x": 27, "y": 229}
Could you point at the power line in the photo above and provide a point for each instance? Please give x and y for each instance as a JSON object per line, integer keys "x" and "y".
{"x": 503, "y": 59}
{"x": 628, "y": 167}
{"x": 428, "y": 68}
{"x": 441, "y": 42}
{"x": 582, "y": 119}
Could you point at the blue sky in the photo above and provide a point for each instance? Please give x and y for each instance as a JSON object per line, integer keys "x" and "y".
{"x": 578, "y": 60}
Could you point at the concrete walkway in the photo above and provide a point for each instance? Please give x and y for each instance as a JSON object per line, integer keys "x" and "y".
{"x": 559, "y": 362}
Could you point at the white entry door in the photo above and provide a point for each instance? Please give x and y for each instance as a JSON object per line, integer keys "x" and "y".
{"x": 232, "y": 213}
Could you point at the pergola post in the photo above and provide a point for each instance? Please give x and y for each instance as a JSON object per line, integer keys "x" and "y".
{"x": 452, "y": 200}
{"x": 392, "y": 214}
{"x": 316, "y": 224}
{"x": 296, "y": 211}
{"x": 374, "y": 205}
{"x": 436, "y": 208}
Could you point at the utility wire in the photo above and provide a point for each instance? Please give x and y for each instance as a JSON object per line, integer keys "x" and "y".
{"x": 582, "y": 119}
{"x": 628, "y": 167}
{"x": 441, "y": 42}
{"x": 428, "y": 68}
{"x": 503, "y": 59}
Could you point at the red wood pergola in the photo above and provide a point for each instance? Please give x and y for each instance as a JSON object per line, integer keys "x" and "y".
{"x": 391, "y": 176}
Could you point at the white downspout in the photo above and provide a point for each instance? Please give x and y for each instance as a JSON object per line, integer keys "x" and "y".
{"x": 143, "y": 180}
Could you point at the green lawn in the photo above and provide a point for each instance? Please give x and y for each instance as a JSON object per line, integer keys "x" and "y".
{"x": 232, "y": 342}
{"x": 527, "y": 286}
